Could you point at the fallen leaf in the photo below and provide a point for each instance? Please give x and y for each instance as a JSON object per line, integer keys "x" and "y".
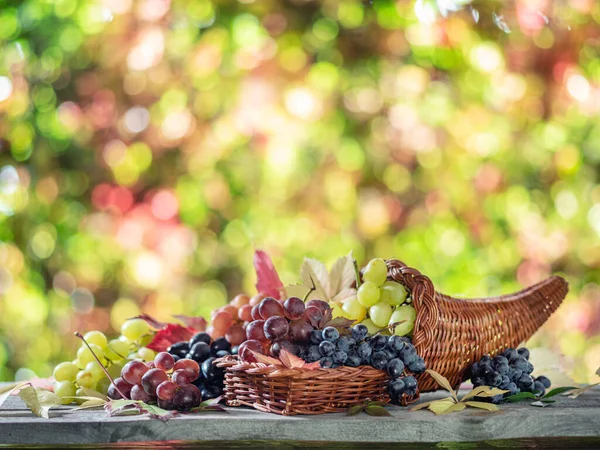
{"x": 482, "y": 391}
{"x": 482, "y": 405}
{"x": 7, "y": 390}
{"x": 442, "y": 381}
{"x": 169, "y": 335}
{"x": 547, "y": 401}
{"x": 558, "y": 390}
{"x": 439, "y": 406}
{"x": 377, "y": 411}
{"x": 197, "y": 323}
{"x": 92, "y": 402}
{"x": 39, "y": 400}
{"x": 353, "y": 410}
{"x": 423, "y": 405}
{"x": 267, "y": 278}
{"x": 135, "y": 407}
{"x": 519, "y": 397}
{"x": 87, "y": 392}
{"x": 577, "y": 392}
{"x": 454, "y": 408}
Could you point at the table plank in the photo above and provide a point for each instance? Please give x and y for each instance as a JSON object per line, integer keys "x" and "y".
{"x": 566, "y": 418}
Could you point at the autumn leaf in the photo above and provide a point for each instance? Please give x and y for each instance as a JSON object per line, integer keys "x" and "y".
{"x": 577, "y": 392}
{"x": 290, "y": 360}
{"x": 197, "y": 323}
{"x": 135, "y": 407}
{"x": 90, "y": 402}
{"x": 7, "y": 390}
{"x": 341, "y": 277}
{"x": 169, "y": 335}
{"x": 440, "y": 406}
{"x": 443, "y": 382}
{"x": 314, "y": 274}
{"x": 482, "y": 405}
{"x": 39, "y": 400}
{"x": 266, "y": 359}
{"x": 150, "y": 321}
{"x": 267, "y": 278}
{"x": 340, "y": 322}
{"x": 454, "y": 408}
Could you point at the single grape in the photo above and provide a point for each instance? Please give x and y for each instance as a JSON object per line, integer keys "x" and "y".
{"x": 378, "y": 342}
{"x": 276, "y": 327}
{"x": 313, "y": 315}
{"x": 181, "y": 377}
{"x": 164, "y": 361}
{"x": 180, "y": 348}
{"x": 359, "y": 332}
{"x": 300, "y": 331}
{"x": 368, "y": 294}
{"x": 380, "y": 314}
{"x": 65, "y": 390}
{"x": 220, "y": 344}
{"x": 279, "y": 345}
{"x": 240, "y": 300}
{"x": 395, "y": 344}
{"x": 152, "y": 379}
{"x": 270, "y": 307}
{"x": 165, "y": 404}
{"x": 211, "y": 391}
{"x": 354, "y": 310}
{"x": 222, "y": 319}
{"x": 330, "y": 334}
{"x": 146, "y": 354}
{"x": 339, "y": 357}
{"x": 353, "y": 361}
{"x": 379, "y": 360}
{"x": 84, "y": 355}
{"x": 346, "y": 344}
{"x": 313, "y": 354}
{"x": 166, "y": 390}
{"x": 410, "y": 384}
{"x": 316, "y": 337}
{"x": 247, "y": 347}
{"x": 293, "y": 308}
{"x": 327, "y": 348}
{"x": 519, "y": 363}
{"x": 512, "y": 387}
{"x": 199, "y": 337}
{"x": 405, "y": 314}
{"x": 134, "y": 371}
{"x": 255, "y": 313}
{"x": 199, "y": 352}
{"x": 96, "y": 370}
{"x": 544, "y": 380}
{"x": 326, "y": 362}
{"x": 364, "y": 351}
{"x": 375, "y": 272}
{"x": 320, "y": 304}
{"x": 138, "y": 393}
{"x": 392, "y": 293}
{"x": 103, "y": 385}
{"x": 85, "y": 379}
{"x": 65, "y": 371}
{"x": 187, "y": 397}
{"x": 418, "y": 366}
{"x": 256, "y": 331}
{"x": 256, "y": 299}
{"x": 211, "y": 372}
{"x": 134, "y": 329}
{"x": 245, "y": 313}
{"x": 523, "y": 352}
{"x": 395, "y": 367}
{"x": 188, "y": 365}
{"x": 222, "y": 353}
{"x": 396, "y": 388}
{"x": 510, "y": 353}
{"x": 96, "y": 337}
{"x": 117, "y": 349}
{"x": 123, "y": 386}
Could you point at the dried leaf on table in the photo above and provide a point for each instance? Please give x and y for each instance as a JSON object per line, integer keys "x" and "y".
{"x": 7, "y": 390}
{"x": 134, "y": 407}
{"x": 519, "y": 397}
{"x": 558, "y": 390}
{"x": 375, "y": 410}
{"x": 439, "y": 406}
{"x": 577, "y": 392}
{"x": 91, "y": 402}
{"x": 39, "y": 400}
{"x": 442, "y": 381}
{"x": 482, "y": 405}
{"x": 353, "y": 410}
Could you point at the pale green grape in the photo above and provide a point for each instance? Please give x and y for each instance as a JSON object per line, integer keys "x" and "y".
{"x": 376, "y": 271}
{"x": 64, "y": 390}
{"x": 146, "y": 354}
{"x": 65, "y": 371}
{"x": 117, "y": 349}
{"x": 94, "y": 368}
{"x": 102, "y": 385}
{"x": 336, "y": 310}
{"x": 406, "y": 313}
{"x": 370, "y": 326}
{"x": 96, "y": 337}
{"x": 134, "y": 329}
{"x": 80, "y": 393}
{"x": 354, "y": 310}
{"x": 114, "y": 370}
{"x": 85, "y": 379}
{"x": 392, "y": 293}
{"x": 84, "y": 355}
{"x": 368, "y": 294}
{"x": 380, "y": 314}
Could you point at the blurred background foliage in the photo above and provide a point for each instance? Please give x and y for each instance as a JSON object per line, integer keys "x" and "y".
{"x": 149, "y": 146}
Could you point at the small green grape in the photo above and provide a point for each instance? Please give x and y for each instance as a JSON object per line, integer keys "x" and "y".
{"x": 134, "y": 329}
{"x": 96, "y": 337}
{"x": 103, "y": 385}
{"x": 354, "y": 310}
{"x": 146, "y": 354}
{"x": 393, "y": 293}
{"x": 64, "y": 390}
{"x": 85, "y": 379}
{"x": 84, "y": 355}
{"x": 336, "y": 310}
{"x": 94, "y": 368}
{"x": 80, "y": 393}
{"x": 368, "y": 294}
{"x": 370, "y": 326}
{"x": 117, "y": 350}
{"x": 404, "y": 313}
{"x": 380, "y": 314}
{"x": 65, "y": 371}
{"x": 375, "y": 272}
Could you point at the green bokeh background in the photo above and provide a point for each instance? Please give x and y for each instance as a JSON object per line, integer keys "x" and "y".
{"x": 149, "y": 146}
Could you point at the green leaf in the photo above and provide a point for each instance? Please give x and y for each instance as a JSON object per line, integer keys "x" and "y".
{"x": 558, "y": 390}
{"x": 353, "y": 410}
{"x": 442, "y": 381}
{"x": 547, "y": 401}
{"x": 519, "y": 397}
{"x": 39, "y": 400}
{"x": 7, "y": 390}
{"x": 376, "y": 403}
{"x": 483, "y": 405}
{"x": 482, "y": 391}
{"x": 377, "y": 411}
{"x": 577, "y": 392}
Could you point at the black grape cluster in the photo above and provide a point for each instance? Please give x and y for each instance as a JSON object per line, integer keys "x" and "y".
{"x": 510, "y": 370}
{"x": 393, "y": 354}
{"x": 202, "y": 349}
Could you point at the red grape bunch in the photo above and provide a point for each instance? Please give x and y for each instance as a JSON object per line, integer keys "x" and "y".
{"x": 278, "y": 325}
{"x": 230, "y": 320}
{"x": 163, "y": 381}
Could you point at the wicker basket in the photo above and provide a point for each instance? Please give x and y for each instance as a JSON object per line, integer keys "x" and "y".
{"x": 451, "y": 333}
{"x": 301, "y": 391}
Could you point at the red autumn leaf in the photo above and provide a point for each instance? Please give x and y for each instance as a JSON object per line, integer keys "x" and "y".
{"x": 290, "y": 360}
{"x": 312, "y": 366}
{"x": 168, "y": 335}
{"x": 197, "y": 323}
{"x": 266, "y": 359}
{"x": 267, "y": 279}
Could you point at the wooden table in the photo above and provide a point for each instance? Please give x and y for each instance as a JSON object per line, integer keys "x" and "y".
{"x": 567, "y": 424}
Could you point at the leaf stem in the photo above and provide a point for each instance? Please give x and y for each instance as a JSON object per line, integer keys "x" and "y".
{"x": 80, "y": 336}
{"x": 313, "y": 288}
{"x": 356, "y": 273}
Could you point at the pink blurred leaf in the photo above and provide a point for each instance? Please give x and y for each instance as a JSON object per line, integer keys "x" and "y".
{"x": 170, "y": 334}
{"x": 151, "y": 321}
{"x": 197, "y": 323}
{"x": 267, "y": 279}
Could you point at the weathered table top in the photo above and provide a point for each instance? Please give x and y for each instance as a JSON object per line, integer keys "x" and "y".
{"x": 566, "y": 418}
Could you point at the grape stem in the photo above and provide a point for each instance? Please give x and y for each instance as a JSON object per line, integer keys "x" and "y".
{"x": 313, "y": 288}
{"x": 356, "y": 273}
{"x": 80, "y": 336}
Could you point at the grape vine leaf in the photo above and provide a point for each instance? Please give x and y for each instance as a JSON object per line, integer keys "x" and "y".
{"x": 7, "y": 390}
{"x": 482, "y": 405}
{"x": 90, "y": 402}
{"x": 150, "y": 321}
{"x": 168, "y": 335}
{"x": 341, "y": 278}
{"x": 443, "y": 382}
{"x": 135, "y": 407}
{"x": 266, "y": 359}
{"x": 291, "y": 361}
{"x": 267, "y": 278}
{"x": 39, "y": 400}
{"x": 197, "y": 323}
{"x": 372, "y": 408}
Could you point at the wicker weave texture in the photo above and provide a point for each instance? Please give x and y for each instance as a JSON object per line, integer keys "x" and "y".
{"x": 301, "y": 391}
{"x": 451, "y": 333}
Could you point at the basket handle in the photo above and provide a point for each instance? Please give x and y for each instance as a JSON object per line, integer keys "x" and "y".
{"x": 423, "y": 295}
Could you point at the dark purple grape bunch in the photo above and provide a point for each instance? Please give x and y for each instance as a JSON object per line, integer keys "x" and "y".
{"x": 511, "y": 371}
{"x": 393, "y": 354}
{"x": 203, "y": 350}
